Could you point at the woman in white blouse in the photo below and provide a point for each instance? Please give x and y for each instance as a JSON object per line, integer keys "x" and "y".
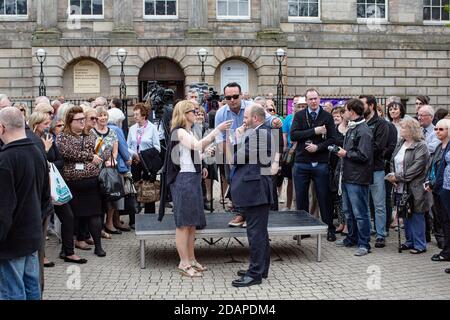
{"x": 143, "y": 135}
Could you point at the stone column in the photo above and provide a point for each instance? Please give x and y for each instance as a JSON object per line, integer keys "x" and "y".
{"x": 46, "y": 32}
{"x": 198, "y": 17}
{"x": 270, "y": 15}
{"x": 123, "y": 19}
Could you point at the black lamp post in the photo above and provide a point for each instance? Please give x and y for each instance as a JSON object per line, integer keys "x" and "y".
{"x": 41, "y": 55}
{"x": 202, "y": 56}
{"x": 280, "y": 54}
{"x": 122, "y": 56}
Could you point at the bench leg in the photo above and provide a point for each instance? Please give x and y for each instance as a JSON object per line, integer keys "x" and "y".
{"x": 319, "y": 248}
{"x": 142, "y": 249}
{"x": 299, "y": 240}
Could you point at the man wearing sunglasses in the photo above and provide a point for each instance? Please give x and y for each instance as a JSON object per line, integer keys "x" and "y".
{"x": 234, "y": 109}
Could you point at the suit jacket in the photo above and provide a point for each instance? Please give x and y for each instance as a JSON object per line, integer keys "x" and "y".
{"x": 250, "y": 185}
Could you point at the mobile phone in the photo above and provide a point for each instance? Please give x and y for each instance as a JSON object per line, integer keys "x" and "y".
{"x": 46, "y": 133}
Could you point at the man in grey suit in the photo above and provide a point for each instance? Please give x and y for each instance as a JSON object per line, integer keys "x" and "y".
{"x": 251, "y": 189}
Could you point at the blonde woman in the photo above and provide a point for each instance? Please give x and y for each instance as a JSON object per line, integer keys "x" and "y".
{"x": 184, "y": 178}
{"x": 40, "y": 123}
{"x": 408, "y": 174}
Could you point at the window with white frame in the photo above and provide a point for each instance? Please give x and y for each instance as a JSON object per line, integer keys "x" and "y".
{"x": 233, "y": 9}
{"x": 371, "y": 9}
{"x": 86, "y": 8}
{"x": 436, "y": 10}
{"x": 304, "y": 8}
{"x": 13, "y": 8}
{"x": 160, "y": 8}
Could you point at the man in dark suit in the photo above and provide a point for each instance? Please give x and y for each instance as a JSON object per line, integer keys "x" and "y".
{"x": 251, "y": 189}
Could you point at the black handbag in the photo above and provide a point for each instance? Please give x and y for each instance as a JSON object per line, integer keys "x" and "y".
{"x": 131, "y": 205}
{"x": 111, "y": 186}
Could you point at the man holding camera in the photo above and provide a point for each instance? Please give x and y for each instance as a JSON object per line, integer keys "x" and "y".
{"x": 357, "y": 155}
{"x": 313, "y": 129}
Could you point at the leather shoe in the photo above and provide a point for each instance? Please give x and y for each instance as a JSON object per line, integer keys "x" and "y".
{"x": 112, "y": 232}
{"x": 245, "y": 281}
{"x": 100, "y": 252}
{"x": 447, "y": 270}
{"x": 79, "y": 261}
{"x": 438, "y": 257}
{"x": 242, "y": 273}
{"x": 331, "y": 236}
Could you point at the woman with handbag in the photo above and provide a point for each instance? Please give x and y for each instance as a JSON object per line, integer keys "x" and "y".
{"x": 184, "y": 179}
{"x": 115, "y": 119}
{"x": 408, "y": 174}
{"x": 81, "y": 170}
{"x": 438, "y": 173}
{"x": 107, "y": 148}
{"x": 40, "y": 124}
{"x": 142, "y": 136}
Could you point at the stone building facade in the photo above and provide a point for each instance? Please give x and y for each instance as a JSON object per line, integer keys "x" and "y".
{"x": 404, "y": 53}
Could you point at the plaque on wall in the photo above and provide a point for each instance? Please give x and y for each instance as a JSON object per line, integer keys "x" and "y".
{"x": 86, "y": 77}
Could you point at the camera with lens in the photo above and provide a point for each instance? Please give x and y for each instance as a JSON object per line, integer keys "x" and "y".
{"x": 160, "y": 98}
{"x": 333, "y": 148}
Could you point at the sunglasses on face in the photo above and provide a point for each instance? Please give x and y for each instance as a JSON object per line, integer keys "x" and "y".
{"x": 193, "y": 111}
{"x": 93, "y": 118}
{"x": 80, "y": 119}
{"x": 271, "y": 110}
{"x": 235, "y": 97}
{"x": 59, "y": 126}
{"x": 440, "y": 129}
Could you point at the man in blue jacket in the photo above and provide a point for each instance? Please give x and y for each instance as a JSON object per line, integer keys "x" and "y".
{"x": 25, "y": 193}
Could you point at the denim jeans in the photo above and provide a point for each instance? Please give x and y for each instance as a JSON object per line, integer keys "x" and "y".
{"x": 415, "y": 231}
{"x": 19, "y": 278}
{"x": 378, "y": 193}
{"x": 354, "y": 202}
{"x": 303, "y": 173}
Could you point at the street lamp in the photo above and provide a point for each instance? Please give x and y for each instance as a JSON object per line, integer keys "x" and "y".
{"x": 202, "y": 56}
{"x": 280, "y": 54}
{"x": 122, "y": 56}
{"x": 41, "y": 55}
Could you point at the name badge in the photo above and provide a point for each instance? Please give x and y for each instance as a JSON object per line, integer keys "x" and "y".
{"x": 79, "y": 166}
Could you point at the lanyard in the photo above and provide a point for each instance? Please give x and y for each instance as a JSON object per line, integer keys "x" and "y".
{"x": 139, "y": 134}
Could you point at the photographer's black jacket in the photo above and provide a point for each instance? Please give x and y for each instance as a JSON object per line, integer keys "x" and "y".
{"x": 380, "y": 132}
{"x": 303, "y": 129}
{"x": 358, "y": 163}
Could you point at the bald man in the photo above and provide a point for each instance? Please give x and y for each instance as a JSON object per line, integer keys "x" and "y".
{"x": 25, "y": 191}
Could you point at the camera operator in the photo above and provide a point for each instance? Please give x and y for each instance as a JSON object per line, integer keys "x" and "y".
{"x": 357, "y": 156}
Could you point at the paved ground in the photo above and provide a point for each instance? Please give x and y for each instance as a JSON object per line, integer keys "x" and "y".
{"x": 294, "y": 274}
{"x": 297, "y": 275}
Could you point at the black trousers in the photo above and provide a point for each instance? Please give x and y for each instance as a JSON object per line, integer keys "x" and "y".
{"x": 257, "y": 219}
{"x": 444, "y": 197}
{"x": 275, "y": 182}
{"x": 438, "y": 219}
{"x": 65, "y": 215}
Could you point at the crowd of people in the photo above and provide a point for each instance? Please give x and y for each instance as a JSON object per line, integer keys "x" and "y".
{"x": 350, "y": 162}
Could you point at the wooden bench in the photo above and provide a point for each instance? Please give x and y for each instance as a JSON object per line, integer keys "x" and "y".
{"x": 284, "y": 223}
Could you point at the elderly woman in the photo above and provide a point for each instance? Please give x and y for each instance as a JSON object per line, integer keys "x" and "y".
{"x": 143, "y": 135}
{"x": 81, "y": 170}
{"x": 435, "y": 183}
{"x": 40, "y": 124}
{"x": 115, "y": 119}
{"x": 107, "y": 146}
{"x": 408, "y": 174}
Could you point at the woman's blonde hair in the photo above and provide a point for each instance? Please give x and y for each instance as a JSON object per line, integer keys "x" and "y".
{"x": 36, "y": 119}
{"x": 413, "y": 127}
{"x": 179, "y": 113}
